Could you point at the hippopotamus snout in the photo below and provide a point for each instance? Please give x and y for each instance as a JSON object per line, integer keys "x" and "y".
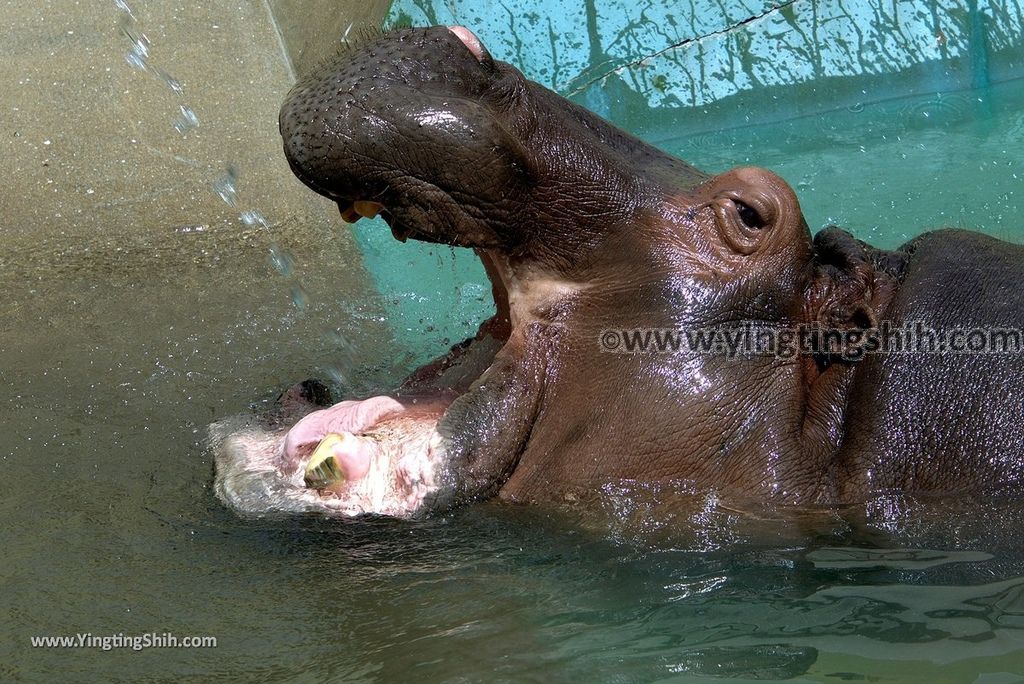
{"x": 414, "y": 126}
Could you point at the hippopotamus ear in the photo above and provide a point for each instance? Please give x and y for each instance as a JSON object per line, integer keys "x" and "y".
{"x": 840, "y": 293}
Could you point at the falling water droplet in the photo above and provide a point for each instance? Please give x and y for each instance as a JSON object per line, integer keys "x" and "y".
{"x": 299, "y": 297}
{"x": 123, "y": 6}
{"x": 227, "y": 186}
{"x": 337, "y": 376}
{"x": 135, "y": 61}
{"x": 186, "y": 121}
{"x": 171, "y": 82}
{"x": 282, "y": 260}
{"x": 251, "y": 217}
{"x": 138, "y": 54}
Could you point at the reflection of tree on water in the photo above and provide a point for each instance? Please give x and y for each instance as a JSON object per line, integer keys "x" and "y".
{"x": 666, "y": 54}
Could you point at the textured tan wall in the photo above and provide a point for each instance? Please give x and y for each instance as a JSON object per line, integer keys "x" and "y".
{"x": 94, "y": 170}
{"x": 314, "y": 29}
{"x": 102, "y": 195}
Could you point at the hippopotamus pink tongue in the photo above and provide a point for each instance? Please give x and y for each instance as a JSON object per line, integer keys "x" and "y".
{"x": 346, "y": 417}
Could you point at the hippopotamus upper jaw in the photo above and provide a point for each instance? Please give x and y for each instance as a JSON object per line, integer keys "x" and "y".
{"x": 454, "y": 147}
{"x": 408, "y": 122}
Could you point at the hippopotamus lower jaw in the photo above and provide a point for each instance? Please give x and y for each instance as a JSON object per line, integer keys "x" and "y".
{"x": 388, "y": 458}
{"x": 451, "y": 434}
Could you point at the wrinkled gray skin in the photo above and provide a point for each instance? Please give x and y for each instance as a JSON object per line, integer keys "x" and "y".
{"x": 584, "y": 228}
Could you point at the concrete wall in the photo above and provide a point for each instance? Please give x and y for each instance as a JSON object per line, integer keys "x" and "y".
{"x": 96, "y": 175}
{"x": 104, "y": 198}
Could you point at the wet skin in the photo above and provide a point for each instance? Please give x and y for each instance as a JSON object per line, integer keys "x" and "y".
{"x": 584, "y": 228}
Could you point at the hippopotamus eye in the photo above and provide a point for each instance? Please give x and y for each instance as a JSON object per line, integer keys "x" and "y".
{"x": 749, "y": 216}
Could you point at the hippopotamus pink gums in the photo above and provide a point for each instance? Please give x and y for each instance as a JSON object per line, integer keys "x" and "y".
{"x": 584, "y": 229}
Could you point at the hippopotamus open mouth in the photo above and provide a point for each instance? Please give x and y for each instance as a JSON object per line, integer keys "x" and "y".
{"x": 582, "y": 229}
{"x": 424, "y": 128}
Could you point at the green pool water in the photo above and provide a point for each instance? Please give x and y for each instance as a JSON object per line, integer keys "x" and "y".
{"x": 110, "y": 374}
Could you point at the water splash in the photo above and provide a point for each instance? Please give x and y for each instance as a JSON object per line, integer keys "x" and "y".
{"x": 139, "y": 57}
{"x": 186, "y": 121}
{"x": 282, "y": 261}
{"x": 227, "y": 186}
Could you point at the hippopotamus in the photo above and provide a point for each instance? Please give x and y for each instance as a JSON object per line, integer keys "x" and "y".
{"x": 589, "y": 235}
